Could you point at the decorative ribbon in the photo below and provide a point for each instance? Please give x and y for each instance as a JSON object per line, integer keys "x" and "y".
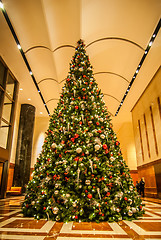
{"x": 98, "y": 190}
{"x": 91, "y": 164}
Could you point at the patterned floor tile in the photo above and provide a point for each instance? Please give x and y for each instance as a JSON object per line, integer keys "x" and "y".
{"x": 114, "y": 229}
{"x": 21, "y": 237}
{"x": 146, "y": 227}
{"x": 14, "y": 226}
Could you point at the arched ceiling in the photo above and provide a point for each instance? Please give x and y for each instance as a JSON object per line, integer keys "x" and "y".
{"x": 116, "y": 34}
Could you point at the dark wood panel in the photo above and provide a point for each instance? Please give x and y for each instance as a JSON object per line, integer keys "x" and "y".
{"x": 157, "y": 168}
{"x": 4, "y": 154}
{"x": 152, "y": 174}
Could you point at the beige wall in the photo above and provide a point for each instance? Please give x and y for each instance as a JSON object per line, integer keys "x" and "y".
{"x": 41, "y": 126}
{"x": 126, "y": 138}
{"x": 150, "y": 148}
{"x": 147, "y": 131}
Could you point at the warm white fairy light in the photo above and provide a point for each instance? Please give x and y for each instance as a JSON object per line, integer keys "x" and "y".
{"x": 19, "y": 46}
{"x": 1, "y": 5}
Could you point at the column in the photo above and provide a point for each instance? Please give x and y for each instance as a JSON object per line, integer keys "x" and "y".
{"x": 24, "y": 146}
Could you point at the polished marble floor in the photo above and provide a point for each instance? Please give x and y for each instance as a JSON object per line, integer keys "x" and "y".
{"x": 14, "y": 226}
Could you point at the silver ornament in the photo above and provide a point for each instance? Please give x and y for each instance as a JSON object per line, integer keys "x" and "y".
{"x": 88, "y": 182}
{"x": 130, "y": 213}
{"x": 133, "y": 210}
{"x": 79, "y": 150}
{"x": 74, "y": 204}
{"x": 97, "y": 147}
{"x": 102, "y": 136}
{"x": 55, "y": 210}
{"x": 54, "y": 145}
{"x": 57, "y": 185}
{"x": 130, "y": 201}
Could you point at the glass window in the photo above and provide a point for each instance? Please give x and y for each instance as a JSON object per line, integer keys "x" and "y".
{"x": 7, "y": 106}
{"x": 10, "y": 86}
{"x": 2, "y": 71}
{"x": 4, "y": 130}
{"x": 7, "y": 95}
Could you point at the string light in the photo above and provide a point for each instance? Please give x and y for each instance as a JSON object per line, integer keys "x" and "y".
{"x": 19, "y": 46}
{"x": 140, "y": 64}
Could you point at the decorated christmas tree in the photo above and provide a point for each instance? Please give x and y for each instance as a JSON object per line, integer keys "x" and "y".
{"x": 80, "y": 174}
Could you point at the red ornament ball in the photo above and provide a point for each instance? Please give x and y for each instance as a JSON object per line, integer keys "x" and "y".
{"x": 89, "y": 196}
{"x": 125, "y": 198}
{"x": 104, "y": 146}
{"x": 76, "y": 159}
{"x": 76, "y": 135}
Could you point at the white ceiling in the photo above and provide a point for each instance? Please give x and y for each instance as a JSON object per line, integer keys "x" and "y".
{"x": 116, "y": 34}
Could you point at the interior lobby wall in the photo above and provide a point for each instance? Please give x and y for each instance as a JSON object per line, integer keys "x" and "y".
{"x": 125, "y": 136}
{"x": 146, "y": 116}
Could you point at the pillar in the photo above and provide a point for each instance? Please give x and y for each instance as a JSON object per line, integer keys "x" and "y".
{"x": 24, "y": 146}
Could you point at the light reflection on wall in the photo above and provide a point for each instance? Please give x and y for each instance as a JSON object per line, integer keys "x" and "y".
{"x": 39, "y": 144}
{"x": 41, "y": 125}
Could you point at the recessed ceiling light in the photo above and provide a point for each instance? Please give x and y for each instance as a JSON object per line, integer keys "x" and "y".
{"x": 29, "y": 99}
{"x": 150, "y": 44}
{"x": 19, "y": 46}
{"x": 21, "y": 89}
{"x": 1, "y": 5}
{"x": 40, "y": 112}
